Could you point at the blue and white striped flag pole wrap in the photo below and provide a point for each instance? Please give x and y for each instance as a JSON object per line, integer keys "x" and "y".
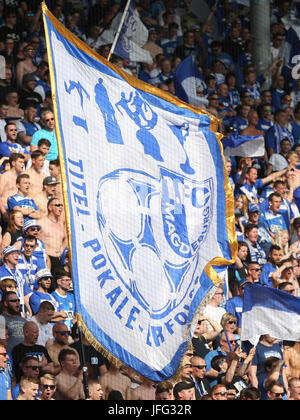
{"x": 149, "y": 207}
{"x": 270, "y": 311}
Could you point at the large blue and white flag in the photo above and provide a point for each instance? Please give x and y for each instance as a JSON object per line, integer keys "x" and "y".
{"x": 270, "y": 311}
{"x": 149, "y": 207}
{"x": 187, "y": 78}
{"x": 245, "y": 146}
{"x": 133, "y": 37}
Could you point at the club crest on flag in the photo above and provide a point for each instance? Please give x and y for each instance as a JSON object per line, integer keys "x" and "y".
{"x": 155, "y": 229}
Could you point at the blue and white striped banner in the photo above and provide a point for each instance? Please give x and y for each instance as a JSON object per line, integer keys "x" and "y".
{"x": 149, "y": 209}
{"x": 270, "y": 311}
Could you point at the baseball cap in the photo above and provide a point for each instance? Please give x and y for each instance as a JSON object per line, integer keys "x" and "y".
{"x": 50, "y": 180}
{"x": 28, "y": 77}
{"x": 9, "y": 249}
{"x": 31, "y": 223}
{"x": 253, "y": 208}
{"x": 181, "y": 386}
{"x": 42, "y": 274}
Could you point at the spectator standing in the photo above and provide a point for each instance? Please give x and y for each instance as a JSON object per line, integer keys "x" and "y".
{"x": 47, "y": 132}
{"x": 29, "y": 348}
{"x": 69, "y": 380}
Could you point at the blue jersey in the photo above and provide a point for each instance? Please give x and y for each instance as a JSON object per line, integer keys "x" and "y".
{"x": 38, "y": 297}
{"x": 66, "y": 304}
{"x": 7, "y": 148}
{"x": 240, "y": 123}
{"x": 285, "y": 210}
{"x": 266, "y": 271}
{"x": 13, "y": 273}
{"x": 29, "y": 129}
{"x": 39, "y": 252}
{"x": 264, "y": 125}
{"x": 28, "y": 268}
{"x": 4, "y": 386}
{"x": 24, "y": 202}
{"x": 250, "y": 191}
{"x": 273, "y": 222}
{"x": 234, "y": 98}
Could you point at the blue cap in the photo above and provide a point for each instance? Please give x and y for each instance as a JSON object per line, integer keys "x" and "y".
{"x": 9, "y": 249}
{"x": 252, "y": 208}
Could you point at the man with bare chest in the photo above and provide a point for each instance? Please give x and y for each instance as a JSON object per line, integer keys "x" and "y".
{"x": 53, "y": 233}
{"x": 8, "y": 186}
{"x": 26, "y": 66}
{"x": 291, "y": 356}
{"x": 114, "y": 380}
{"x": 36, "y": 174}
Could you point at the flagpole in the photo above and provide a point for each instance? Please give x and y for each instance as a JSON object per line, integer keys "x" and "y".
{"x": 119, "y": 30}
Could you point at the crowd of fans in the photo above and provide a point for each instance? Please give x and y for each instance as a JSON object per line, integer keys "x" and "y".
{"x": 40, "y": 353}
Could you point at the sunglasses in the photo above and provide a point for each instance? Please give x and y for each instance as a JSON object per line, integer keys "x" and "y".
{"x": 34, "y": 229}
{"x": 29, "y": 246}
{"x": 231, "y": 322}
{"x": 48, "y": 386}
{"x": 33, "y": 367}
{"x": 13, "y": 300}
{"x": 49, "y": 119}
{"x": 278, "y": 394}
{"x": 58, "y": 205}
{"x": 199, "y": 366}
{"x": 221, "y": 393}
{"x": 289, "y": 268}
{"x": 63, "y": 332}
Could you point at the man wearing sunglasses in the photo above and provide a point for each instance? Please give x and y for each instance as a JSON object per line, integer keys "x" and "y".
{"x": 10, "y": 145}
{"x": 227, "y": 345}
{"x": 13, "y": 319}
{"x": 30, "y": 368}
{"x": 47, "y": 132}
{"x": 202, "y": 386}
{"x": 275, "y": 391}
{"x": 62, "y": 338}
{"x": 47, "y": 387}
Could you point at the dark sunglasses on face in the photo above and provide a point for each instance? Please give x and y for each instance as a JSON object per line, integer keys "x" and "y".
{"x": 63, "y": 332}
{"x": 199, "y": 366}
{"x": 278, "y": 394}
{"x": 33, "y": 367}
{"x": 13, "y": 300}
{"x": 231, "y": 322}
{"x": 48, "y": 386}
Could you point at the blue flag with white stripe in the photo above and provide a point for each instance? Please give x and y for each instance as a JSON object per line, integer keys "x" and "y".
{"x": 132, "y": 37}
{"x": 242, "y": 145}
{"x": 270, "y": 311}
{"x": 149, "y": 206}
{"x": 187, "y": 78}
